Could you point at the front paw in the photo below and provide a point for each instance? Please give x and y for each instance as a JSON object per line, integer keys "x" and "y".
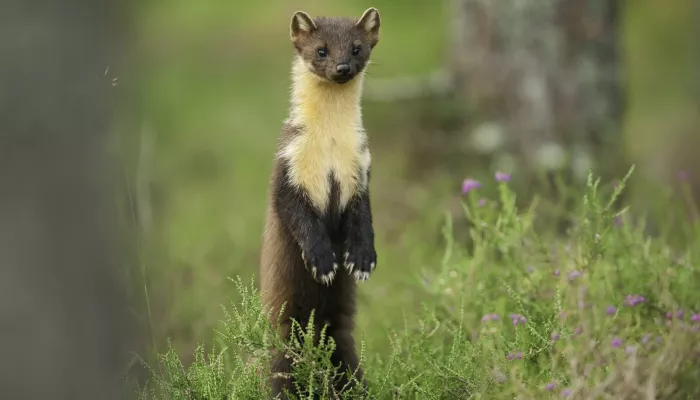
{"x": 320, "y": 261}
{"x": 360, "y": 260}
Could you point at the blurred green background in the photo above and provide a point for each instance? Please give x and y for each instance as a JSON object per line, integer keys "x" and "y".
{"x": 213, "y": 86}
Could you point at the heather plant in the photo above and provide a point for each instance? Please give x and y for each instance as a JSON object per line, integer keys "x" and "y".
{"x": 524, "y": 312}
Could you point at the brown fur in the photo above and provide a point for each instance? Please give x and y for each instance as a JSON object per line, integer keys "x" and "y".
{"x": 318, "y": 214}
{"x": 338, "y": 36}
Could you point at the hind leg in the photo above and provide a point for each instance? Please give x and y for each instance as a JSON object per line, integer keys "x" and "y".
{"x": 346, "y": 356}
{"x": 281, "y": 370}
{"x": 281, "y": 376}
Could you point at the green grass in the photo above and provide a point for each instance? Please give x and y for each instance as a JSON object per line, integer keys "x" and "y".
{"x": 598, "y": 314}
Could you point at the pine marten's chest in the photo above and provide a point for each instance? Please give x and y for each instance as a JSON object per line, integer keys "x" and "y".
{"x": 322, "y": 160}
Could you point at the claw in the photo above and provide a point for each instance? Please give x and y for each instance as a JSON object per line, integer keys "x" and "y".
{"x": 361, "y": 276}
{"x": 328, "y": 279}
{"x": 349, "y": 267}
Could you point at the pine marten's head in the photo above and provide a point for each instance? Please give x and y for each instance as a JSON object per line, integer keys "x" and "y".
{"x": 336, "y": 49}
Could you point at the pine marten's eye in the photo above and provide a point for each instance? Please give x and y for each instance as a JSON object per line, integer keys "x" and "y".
{"x": 356, "y": 51}
{"x": 322, "y": 52}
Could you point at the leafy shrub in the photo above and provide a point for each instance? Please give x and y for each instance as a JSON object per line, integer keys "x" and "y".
{"x": 521, "y": 312}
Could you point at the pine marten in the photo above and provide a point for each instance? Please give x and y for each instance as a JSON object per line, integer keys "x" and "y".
{"x": 318, "y": 215}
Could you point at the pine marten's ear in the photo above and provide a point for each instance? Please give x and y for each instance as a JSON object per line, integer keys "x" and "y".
{"x": 369, "y": 23}
{"x": 302, "y": 24}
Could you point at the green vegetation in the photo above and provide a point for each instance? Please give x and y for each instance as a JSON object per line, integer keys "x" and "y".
{"x": 517, "y": 311}
{"x": 214, "y": 92}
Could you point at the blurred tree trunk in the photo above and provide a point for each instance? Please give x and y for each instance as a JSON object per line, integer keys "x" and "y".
{"x": 539, "y": 79}
{"x": 662, "y": 125}
{"x": 63, "y": 318}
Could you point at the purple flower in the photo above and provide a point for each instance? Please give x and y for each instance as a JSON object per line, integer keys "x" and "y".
{"x": 618, "y": 221}
{"x": 633, "y": 299}
{"x": 578, "y": 330}
{"x": 550, "y": 386}
{"x": 573, "y": 275}
{"x": 611, "y": 310}
{"x": 481, "y": 202}
{"x": 518, "y": 319}
{"x": 502, "y": 177}
{"x": 669, "y": 315}
{"x": 489, "y": 317}
{"x": 680, "y": 314}
{"x": 470, "y": 184}
{"x": 555, "y": 336}
{"x": 566, "y": 393}
{"x": 695, "y": 317}
{"x": 616, "y": 342}
{"x": 556, "y": 272}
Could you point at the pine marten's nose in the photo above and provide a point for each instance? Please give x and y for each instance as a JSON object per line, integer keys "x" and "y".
{"x": 343, "y": 69}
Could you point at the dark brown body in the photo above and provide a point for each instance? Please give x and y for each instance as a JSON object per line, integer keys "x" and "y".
{"x": 285, "y": 277}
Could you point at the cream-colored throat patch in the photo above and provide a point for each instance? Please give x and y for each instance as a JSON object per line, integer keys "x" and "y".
{"x": 331, "y": 139}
